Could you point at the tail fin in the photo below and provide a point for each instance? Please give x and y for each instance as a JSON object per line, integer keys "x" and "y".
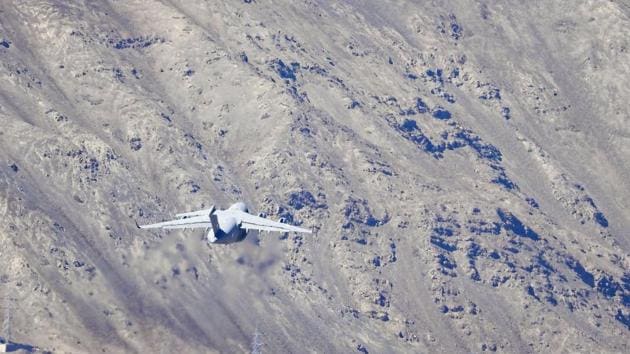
{"x": 213, "y": 220}
{"x": 214, "y": 233}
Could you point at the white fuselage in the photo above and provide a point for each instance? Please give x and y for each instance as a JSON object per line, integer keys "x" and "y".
{"x": 229, "y": 230}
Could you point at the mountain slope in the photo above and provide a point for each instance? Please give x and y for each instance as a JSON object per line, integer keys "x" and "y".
{"x": 465, "y": 169}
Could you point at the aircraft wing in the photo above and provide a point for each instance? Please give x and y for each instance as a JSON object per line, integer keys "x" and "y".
{"x": 251, "y": 222}
{"x": 248, "y": 227}
{"x": 196, "y": 213}
{"x": 182, "y": 223}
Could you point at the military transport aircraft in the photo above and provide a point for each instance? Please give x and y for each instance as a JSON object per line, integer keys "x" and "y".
{"x": 225, "y": 226}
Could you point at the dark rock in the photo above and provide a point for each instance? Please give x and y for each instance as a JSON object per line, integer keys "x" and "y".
{"x": 299, "y": 200}
{"x": 409, "y": 125}
{"x": 582, "y": 273}
{"x": 513, "y": 224}
{"x": 607, "y": 286}
{"x": 362, "y": 349}
{"x": 135, "y": 42}
{"x": 623, "y": 318}
{"x": 600, "y": 219}
{"x": 135, "y": 144}
{"x": 441, "y": 113}
{"x": 286, "y": 71}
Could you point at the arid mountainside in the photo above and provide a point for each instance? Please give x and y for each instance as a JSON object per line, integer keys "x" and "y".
{"x": 465, "y": 167}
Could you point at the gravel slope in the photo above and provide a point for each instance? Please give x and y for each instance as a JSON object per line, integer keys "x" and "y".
{"x": 466, "y": 167}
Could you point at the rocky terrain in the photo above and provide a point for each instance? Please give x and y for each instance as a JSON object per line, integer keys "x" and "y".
{"x": 465, "y": 166}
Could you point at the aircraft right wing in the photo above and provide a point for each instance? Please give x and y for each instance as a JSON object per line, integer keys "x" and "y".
{"x": 251, "y": 222}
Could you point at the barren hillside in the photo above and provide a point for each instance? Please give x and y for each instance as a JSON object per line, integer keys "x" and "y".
{"x": 465, "y": 166}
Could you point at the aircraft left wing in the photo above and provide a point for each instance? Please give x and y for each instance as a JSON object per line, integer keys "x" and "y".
{"x": 183, "y": 223}
{"x": 251, "y": 222}
{"x": 196, "y": 213}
